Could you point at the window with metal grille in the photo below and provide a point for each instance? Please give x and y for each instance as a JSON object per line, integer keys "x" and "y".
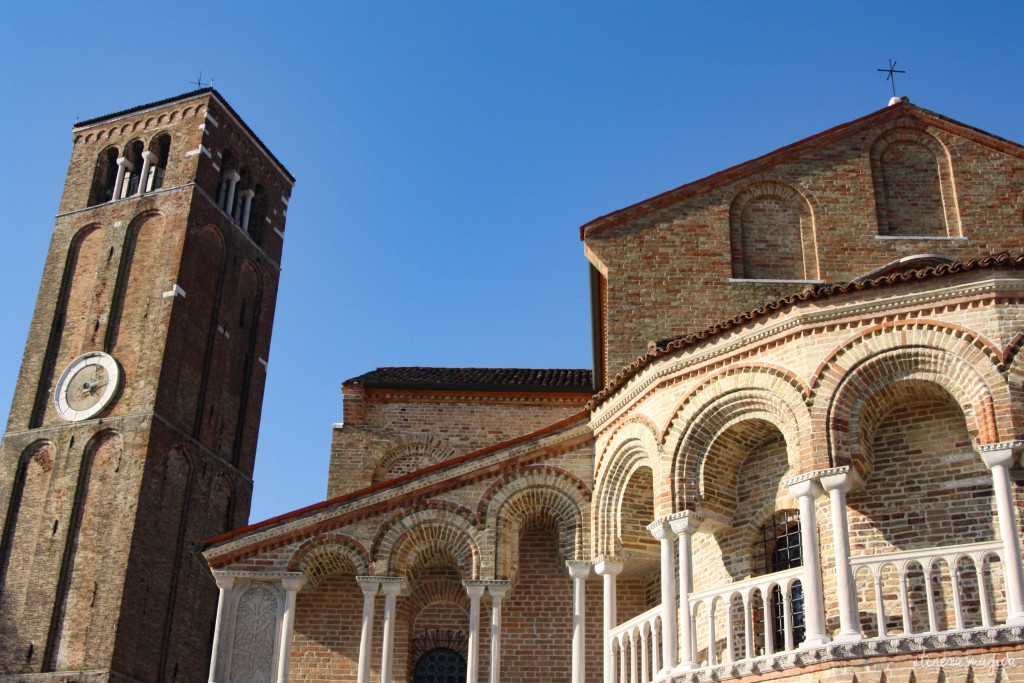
{"x": 779, "y": 549}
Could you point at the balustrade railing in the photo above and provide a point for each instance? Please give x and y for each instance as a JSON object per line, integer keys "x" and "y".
{"x": 761, "y": 615}
{"x": 899, "y": 594}
{"x": 930, "y": 590}
{"x": 636, "y": 648}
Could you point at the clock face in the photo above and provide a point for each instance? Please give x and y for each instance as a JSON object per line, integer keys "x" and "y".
{"x": 86, "y": 386}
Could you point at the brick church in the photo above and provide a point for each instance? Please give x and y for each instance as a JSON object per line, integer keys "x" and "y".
{"x": 796, "y": 458}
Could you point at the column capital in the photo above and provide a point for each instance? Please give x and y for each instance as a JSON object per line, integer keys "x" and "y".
{"x": 475, "y": 589}
{"x": 995, "y": 454}
{"x": 684, "y": 523}
{"x": 225, "y": 582}
{"x": 836, "y": 478}
{"x": 233, "y": 176}
{"x": 150, "y": 157}
{"x": 391, "y": 585}
{"x": 804, "y": 485}
{"x": 579, "y": 569}
{"x": 124, "y": 163}
{"x": 368, "y": 584}
{"x": 497, "y": 589}
{"x": 608, "y": 565}
{"x": 293, "y": 583}
{"x": 246, "y": 194}
{"x": 660, "y": 529}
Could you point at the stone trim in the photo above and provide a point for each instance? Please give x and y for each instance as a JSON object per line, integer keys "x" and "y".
{"x": 866, "y": 649}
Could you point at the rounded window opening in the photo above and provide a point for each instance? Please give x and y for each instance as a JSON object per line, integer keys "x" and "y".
{"x": 440, "y": 665}
{"x": 778, "y": 549}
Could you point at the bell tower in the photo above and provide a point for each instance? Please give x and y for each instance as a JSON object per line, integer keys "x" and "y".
{"x": 133, "y": 428}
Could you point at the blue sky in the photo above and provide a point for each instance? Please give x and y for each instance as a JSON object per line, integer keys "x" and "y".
{"x": 446, "y": 153}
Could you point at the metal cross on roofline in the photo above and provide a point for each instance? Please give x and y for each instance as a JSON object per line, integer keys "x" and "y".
{"x": 199, "y": 81}
{"x": 892, "y": 70}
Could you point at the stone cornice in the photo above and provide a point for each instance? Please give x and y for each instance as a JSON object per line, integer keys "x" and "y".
{"x": 803, "y": 318}
{"x": 792, "y": 662}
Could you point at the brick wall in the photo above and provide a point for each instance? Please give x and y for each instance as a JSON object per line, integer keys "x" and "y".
{"x": 96, "y": 562}
{"x": 654, "y": 263}
{"x": 388, "y": 434}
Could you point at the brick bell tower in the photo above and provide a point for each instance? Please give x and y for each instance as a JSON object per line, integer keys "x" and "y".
{"x": 133, "y": 428}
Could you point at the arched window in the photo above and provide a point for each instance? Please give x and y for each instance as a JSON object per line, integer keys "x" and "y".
{"x": 257, "y": 215}
{"x": 104, "y": 177}
{"x": 133, "y": 169}
{"x": 228, "y": 177}
{"x": 242, "y": 196}
{"x": 915, "y": 195}
{"x": 771, "y": 230}
{"x": 440, "y": 665}
{"x": 161, "y": 149}
{"x": 779, "y": 549}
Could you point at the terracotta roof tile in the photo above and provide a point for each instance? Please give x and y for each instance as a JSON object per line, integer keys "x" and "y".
{"x": 669, "y": 345}
{"x": 477, "y": 379}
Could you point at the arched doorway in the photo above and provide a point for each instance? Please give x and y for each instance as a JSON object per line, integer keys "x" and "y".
{"x": 440, "y": 665}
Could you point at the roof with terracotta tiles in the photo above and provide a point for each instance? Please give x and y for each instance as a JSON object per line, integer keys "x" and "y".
{"x": 892, "y": 276}
{"x": 477, "y": 379}
{"x": 573, "y": 421}
{"x": 759, "y": 164}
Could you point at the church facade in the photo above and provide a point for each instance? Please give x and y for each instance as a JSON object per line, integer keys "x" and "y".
{"x": 797, "y": 455}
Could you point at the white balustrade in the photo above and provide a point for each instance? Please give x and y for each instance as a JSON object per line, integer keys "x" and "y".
{"x": 944, "y": 589}
{"x": 637, "y": 644}
{"x": 877, "y": 574}
{"x": 755, "y": 627}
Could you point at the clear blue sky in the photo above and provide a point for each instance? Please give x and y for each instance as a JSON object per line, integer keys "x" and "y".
{"x": 447, "y": 153}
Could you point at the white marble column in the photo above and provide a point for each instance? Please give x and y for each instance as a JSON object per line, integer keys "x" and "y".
{"x": 369, "y": 585}
{"x": 229, "y": 194}
{"x": 292, "y": 585}
{"x": 224, "y": 583}
{"x": 579, "y": 571}
{"x": 608, "y": 568}
{"x": 805, "y": 489}
{"x": 475, "y": 590}
{"x": 998, "y": 458}
{"x": 148, "y": 159}
{"x": 836, "y": 482}
{"x": 246, "y": 197}
{"x": 497, "y": 590}
{"x": 391, "y": 586}
{"x": 123, "y": 166}
{"x": 662, "y": 532}
{"x": 684, "y": 525}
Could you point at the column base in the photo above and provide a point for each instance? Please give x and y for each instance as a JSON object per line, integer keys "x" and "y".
{"x": 814, "y": 641}
{"x": 1015, "y": 620}
{"x": 682, "y": 667}
{"x": 848, "y": 638}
